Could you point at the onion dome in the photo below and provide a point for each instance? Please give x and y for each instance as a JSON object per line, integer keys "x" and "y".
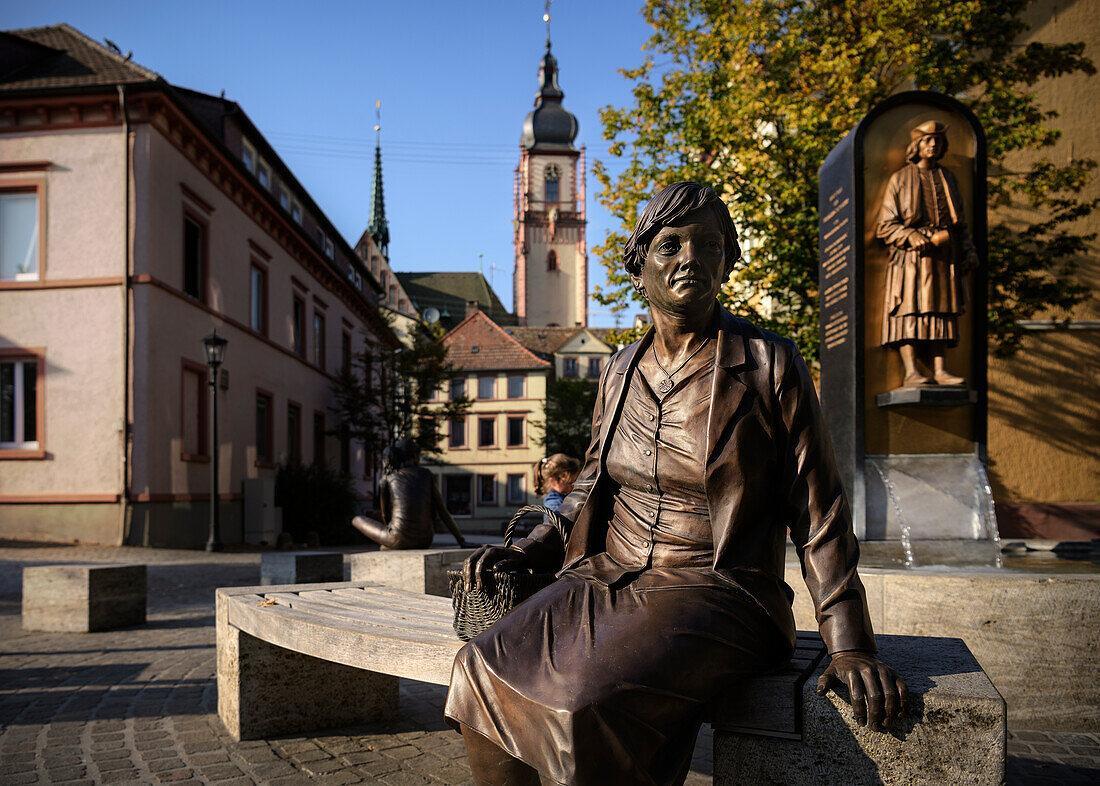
{"x": 550, "y": 126}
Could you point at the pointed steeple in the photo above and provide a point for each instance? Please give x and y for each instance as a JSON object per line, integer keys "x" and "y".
{"x": 378, "y": 227}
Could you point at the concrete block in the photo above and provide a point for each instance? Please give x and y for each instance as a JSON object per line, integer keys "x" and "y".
{"x": 417, "y": 570}
{"x": 301, "y": 567}
{"x": 265, "y": 690}
{"x": 954, "y": 730}
{"x": 83, "y": 598}
{"x": 1037, "y": 636}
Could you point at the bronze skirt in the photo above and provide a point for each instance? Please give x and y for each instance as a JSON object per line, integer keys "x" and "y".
{"x": 596, "y": 685}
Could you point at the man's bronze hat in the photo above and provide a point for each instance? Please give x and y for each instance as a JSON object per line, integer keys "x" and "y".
{"x": 928, "y": 128}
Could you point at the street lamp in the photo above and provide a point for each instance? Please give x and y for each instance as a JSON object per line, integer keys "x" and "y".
{"x": 214, "y": 346}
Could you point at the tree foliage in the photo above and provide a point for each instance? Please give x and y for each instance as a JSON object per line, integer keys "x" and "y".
{"x": 568, "y": 425}
{"x": 388, "y": 393}
{"x": 749, "y": 96}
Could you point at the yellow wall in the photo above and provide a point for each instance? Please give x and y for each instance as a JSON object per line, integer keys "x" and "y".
{"x": 1043, "y": 423}
{"x": 501, "y": 460}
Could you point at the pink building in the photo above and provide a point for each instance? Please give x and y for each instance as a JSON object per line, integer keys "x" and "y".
{"x": 135, "y": 218}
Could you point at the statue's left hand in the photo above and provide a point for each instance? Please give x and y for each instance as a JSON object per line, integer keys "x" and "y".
{"x": 877, "y": 694}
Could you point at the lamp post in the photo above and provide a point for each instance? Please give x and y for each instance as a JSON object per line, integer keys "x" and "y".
{"x": 214, "y": 346}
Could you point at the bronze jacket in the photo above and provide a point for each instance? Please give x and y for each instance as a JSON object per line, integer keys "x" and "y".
{"x": 911, "y": 289}
{"x": 769, "y": 467}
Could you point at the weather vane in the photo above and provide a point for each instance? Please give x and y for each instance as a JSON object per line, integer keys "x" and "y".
{"x": 546, "y": 18}
{"x": 378, "y": 117}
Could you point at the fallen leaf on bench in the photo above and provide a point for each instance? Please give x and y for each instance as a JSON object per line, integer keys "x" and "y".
{"x": 267, "y": 602}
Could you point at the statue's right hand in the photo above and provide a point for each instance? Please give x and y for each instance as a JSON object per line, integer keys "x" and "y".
{"x": 918, "y": 241}
{"x": 490, "y": 558}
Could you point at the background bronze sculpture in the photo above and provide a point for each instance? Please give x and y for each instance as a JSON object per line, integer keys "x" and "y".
{"x": 923, "y": 222}
{"x": 411, "y": 503}
{"x": 707, "y": 444}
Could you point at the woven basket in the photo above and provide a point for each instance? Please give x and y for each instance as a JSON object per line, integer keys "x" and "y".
{"x": 501, "y": 591}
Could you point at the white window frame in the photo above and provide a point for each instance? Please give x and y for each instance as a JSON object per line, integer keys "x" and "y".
{"x": 263, "y": 174}
{"x": 521, "y": 497}
{"x": 34, "y": 255}
{"x": 508, "y": 431}
{"x": 20, "y": 363}
{"x": 249, "y": 152}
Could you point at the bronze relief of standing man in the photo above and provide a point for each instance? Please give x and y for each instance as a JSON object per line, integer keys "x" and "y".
{"x": 922, "y": 220}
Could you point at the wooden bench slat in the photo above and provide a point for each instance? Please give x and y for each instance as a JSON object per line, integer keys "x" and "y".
{"x": 425, "y": 602}
{"x": 366, "y": 615}
{"x": 417, "y": 656}
{"x": 386, "y": 604}
{"x": 304, "y": 613}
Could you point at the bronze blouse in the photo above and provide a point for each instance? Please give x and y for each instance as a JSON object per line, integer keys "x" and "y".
{"x": 659, "y": 519}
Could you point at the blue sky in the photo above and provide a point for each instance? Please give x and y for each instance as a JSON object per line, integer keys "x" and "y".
{"x": 455, "y": 81}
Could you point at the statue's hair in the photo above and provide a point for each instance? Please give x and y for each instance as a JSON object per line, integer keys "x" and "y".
{"x": 670, "y": 205}
{"x": 912, "y": 153}
{"x": 402, "y": 453}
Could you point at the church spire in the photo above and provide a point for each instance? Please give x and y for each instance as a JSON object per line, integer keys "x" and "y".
{"x": 378, "y": 227}
{"x": 549, "y": 126}
{"x": 546, "y": 18}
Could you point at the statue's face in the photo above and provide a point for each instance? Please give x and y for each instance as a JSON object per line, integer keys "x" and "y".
{"x": 685, "y": 265}
{"x": 930, "y": 147}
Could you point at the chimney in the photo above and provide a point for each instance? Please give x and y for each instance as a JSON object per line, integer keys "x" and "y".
{"x": 472, "y": 306}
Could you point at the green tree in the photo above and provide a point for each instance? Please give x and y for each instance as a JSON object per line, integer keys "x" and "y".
{"x": 749, "y": 97}
{"x": 388, "y": 393}
{"x": 568, "y": 424}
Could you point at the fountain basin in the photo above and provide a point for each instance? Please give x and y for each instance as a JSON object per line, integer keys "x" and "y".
{"x": 1035, "y": 632}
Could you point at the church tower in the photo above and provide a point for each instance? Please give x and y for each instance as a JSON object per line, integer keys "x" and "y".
{"x": 550, "y": 285}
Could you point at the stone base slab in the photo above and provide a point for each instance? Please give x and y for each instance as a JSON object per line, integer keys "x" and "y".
{"x": 954, "y": 730}
{"x": 83, "y": 598}
{"x": 1037, "y": 636}
{"x": 265, "y": 690}
{"x": 416, "y": 570}
{"x": 301, "y": 567}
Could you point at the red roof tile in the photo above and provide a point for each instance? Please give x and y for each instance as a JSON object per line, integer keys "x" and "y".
{"x": 479, "y": 344}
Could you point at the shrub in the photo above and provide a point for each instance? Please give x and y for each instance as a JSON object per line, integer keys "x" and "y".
{"x": 316, "y": 498}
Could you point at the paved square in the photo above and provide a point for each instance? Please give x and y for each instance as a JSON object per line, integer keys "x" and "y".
{"x": 139, "y": 705}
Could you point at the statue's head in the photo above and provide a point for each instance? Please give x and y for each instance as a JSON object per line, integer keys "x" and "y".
{"x": 672, "y": 204}
{"x": 920, "y": 135}
{"x": 409, "y": 450}
{"x": 391, "y": 459}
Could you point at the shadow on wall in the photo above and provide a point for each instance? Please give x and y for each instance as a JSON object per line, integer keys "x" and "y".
{"x": 1048, "y": 393}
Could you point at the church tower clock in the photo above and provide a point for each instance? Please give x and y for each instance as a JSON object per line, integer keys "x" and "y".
{"x": 550, "y": 285}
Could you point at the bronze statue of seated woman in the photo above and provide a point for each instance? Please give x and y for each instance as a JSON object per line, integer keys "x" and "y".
{"x": 707, "y": 445}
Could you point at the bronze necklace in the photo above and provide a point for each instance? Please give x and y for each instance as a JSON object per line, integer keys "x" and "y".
{"x": 665, "y": 385}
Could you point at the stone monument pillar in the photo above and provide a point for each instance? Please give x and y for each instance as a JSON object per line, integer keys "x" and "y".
{"x": 903, "y": 339}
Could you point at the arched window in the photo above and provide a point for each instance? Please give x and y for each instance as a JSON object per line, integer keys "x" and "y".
{"x": 553, "y": 177}
{"x": 552, "y": 260}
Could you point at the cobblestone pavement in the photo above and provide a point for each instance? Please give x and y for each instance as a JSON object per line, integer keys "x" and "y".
{"x": 139, "y": 705}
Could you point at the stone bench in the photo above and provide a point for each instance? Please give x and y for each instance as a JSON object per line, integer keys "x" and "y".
{"x": 299, "y": 658}
{"x": 954, "y": 730}
{"x": 83, "y": 598}
{"x": 416, "y": 570}
{"x": 301, "y": 567}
